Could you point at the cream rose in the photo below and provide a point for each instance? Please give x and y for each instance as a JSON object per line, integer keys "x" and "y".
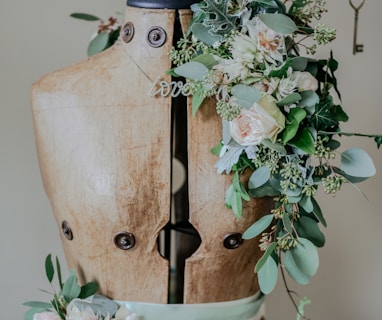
{"x": 263, "y": 120}
{"x": 81, "y": 313}
{"x": 46, "y": 316}
{"x": 305, "y": 81}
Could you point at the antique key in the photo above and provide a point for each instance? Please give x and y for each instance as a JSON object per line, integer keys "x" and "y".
{"x": 356, "y": 47}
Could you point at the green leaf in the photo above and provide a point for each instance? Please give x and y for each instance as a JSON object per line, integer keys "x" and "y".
{"x": 299, "y": 63}
{"x": 267, "y": 276}
{"x": 356, "y": 162}
{"x": 49, "y": 269}
{"x": 295, "y": 116}
{"x": 237, "y": 205}
{"x": 309, "y": 98}
{"x": 304, "y": 141}
{"x": 29, "y": 314}
{"x": 58, "y": 267}
{"x": 85, "y": 16}
{"x": 287, "y": 223}
{"x": 258, "y": 227}
{"x": 318, "y": 213}
{"x": 293, "y": 270}
{"x": 38, "y": 304}
{"x": 278, "y": 22}
{"x": 88, "y": 290}
{"x": 206, "y": 59}
{"x": 246, "y": 95}
{"x": 266, "y": 255}
{"x": 307, "y": 204}
{"x": 305, "y": 256}
{"x": 308, "y": 228}
{"x": 265, "y": 190}
{"x": 202, "y": 33}
{"x": 71, "y": 289}
{"x": 192, "y": 70}
{"x": 292, "y": 98}
{"x": 229, "y": 197}
{"x": 259, "y": 177}
{"x": 303, "y": 302}
{"x": 197, "y": 100}
{"x": 99, "y": 43}
{"x": 275, "y": 146}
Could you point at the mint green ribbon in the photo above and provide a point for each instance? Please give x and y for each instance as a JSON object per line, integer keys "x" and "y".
{"x": 243, "y": 309}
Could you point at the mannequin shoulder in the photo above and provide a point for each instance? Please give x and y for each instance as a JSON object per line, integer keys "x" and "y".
{"x": 77, "y": 79}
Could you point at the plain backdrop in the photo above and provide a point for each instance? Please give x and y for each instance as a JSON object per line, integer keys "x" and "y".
{"x": 38, "y": 36}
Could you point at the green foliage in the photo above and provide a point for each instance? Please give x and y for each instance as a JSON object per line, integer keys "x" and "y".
{"x": 245, "y": 95}
{"x": 69, "y": 290}
{"x": 356, "y": 162}
{"x": 85, "y": 16}
{"x": 258, "y": 227}
{"x": 99, "y": 43}
{"x": 278, "y": 22}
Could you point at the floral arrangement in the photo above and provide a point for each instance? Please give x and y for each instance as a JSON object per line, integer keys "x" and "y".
{"x": 280, "y": 121}
{"x": 74, "y": 302}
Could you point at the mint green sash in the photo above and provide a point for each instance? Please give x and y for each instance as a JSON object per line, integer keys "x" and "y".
{"x": 243, "y": 309}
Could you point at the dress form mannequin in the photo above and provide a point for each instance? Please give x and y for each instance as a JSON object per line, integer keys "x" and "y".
{"x": 105, "y": 148}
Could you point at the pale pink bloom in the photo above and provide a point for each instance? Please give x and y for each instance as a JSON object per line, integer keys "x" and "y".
{"x": 46, "y": 316}
{"x": 76, "y": 313}
{"x": 263, "y": 120}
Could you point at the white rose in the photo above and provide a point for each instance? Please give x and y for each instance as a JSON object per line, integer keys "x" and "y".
{"x": 75, "y": 312}
{"x": 263, "y": 120}
{"x": 305, "y": 81}
{"x": 124, "y": 314}
{"x": 46, "y": 316}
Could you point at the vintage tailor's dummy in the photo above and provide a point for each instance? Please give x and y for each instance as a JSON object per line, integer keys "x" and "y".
{"x": 105, "y": 147}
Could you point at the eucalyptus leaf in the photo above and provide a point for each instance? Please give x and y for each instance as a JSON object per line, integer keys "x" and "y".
{"x": 197, "y": 100}
{"x": 193, "y": 70}
{"x": 49, "y": 269}
{"x": 278, "y": 22}
{"x": 206, "y": 59}
{"x": 259, "y": 177}
{"x": 258, "y": 227}
{"x": 38, "y": 304}
{"x": 299, "y": 63}
{"x": 307, "y": 204}
{"x": 318, "y": 213}
{"x": 292, "y": 98}
{"x": 294, "y": 272}
{"x": 229, "y": 197}
{"x": 274, "y": 146}
{"x": 267, "y": 276}
{"x": 305, "y": 256}
{"x": 308, "y": 228}
{"x": 287, "y": 223}
{"x": 59, "y": 276}
{"x": 203, "y": 34}
{"x": 71, "y": 289}
{"x": 246, "y": 95}
{"x": 356, "y": 162}
{"x": 237, "y": 205}
{"x": 265, "y": 190}
{"x": 309, "y": 99}
{"x": 267, "y": 254}
{"x": 99, "y": 43}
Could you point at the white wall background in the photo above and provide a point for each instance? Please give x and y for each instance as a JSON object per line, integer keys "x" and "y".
{"x": 38, "y": 36}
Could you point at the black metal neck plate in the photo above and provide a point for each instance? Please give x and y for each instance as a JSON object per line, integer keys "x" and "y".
{"x": 161, "y": 4}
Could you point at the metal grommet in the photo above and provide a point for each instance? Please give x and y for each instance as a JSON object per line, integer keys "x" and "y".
{"x": 127, "y": 32}
{"x": 156, "y": 37}
{"x": 124, "y": 240}
{"x": 233, "y": 240}
{"x": 67, "y": 230}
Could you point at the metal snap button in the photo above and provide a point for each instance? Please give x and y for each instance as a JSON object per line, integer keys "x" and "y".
{"x": 67, "y": 230}
{"x": 127, "y": 32}
{"x": 124, "y": 240}
{"x": 233, "y": 241}
{"x": 156, "y": 37}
